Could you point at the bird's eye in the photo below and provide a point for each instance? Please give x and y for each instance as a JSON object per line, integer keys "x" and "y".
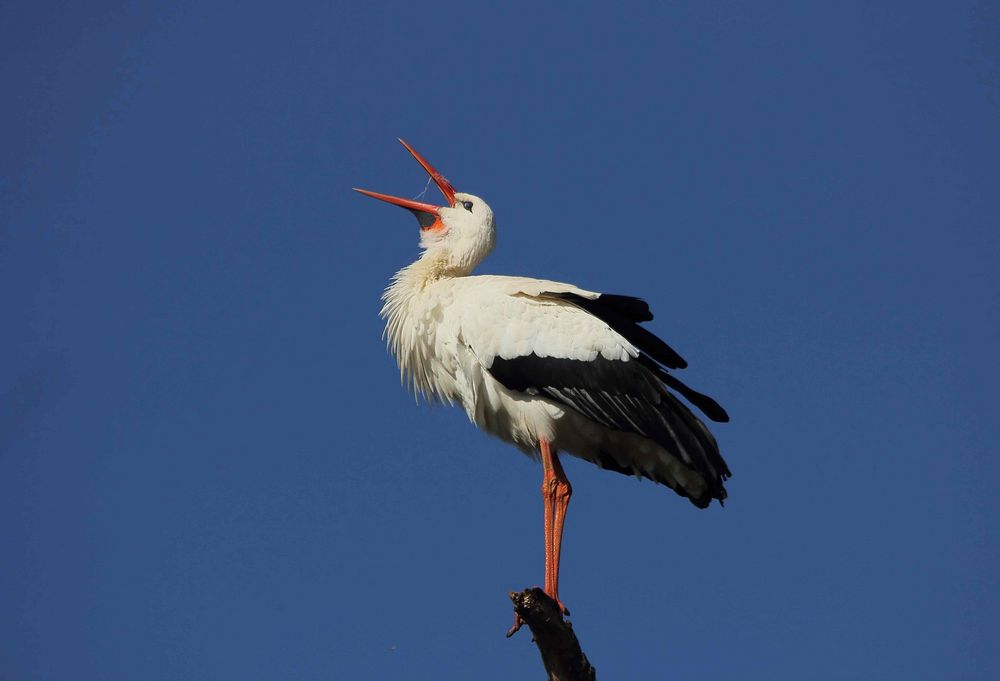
{"x": 467, "y": 205}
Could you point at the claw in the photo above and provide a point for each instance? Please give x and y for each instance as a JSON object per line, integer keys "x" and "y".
{"x": 518, "y": 623}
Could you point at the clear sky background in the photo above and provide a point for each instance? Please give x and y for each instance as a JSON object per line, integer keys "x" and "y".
{"x": 209, "y": 470}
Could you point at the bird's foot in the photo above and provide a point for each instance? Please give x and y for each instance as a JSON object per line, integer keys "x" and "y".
{"x": 554, "y": 595}
{"x": 518, "y": 623}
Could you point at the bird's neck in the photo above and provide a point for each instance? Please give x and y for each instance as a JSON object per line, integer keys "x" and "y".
{"x": 406, "y": 293}
{"x": 432, "y": 265}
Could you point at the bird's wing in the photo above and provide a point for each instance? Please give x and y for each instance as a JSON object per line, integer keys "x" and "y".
{"x": 582, "y": 350}
{"x": 622, "y": 315}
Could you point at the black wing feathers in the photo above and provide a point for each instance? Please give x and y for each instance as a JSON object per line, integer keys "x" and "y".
{"x": 634, "y": 309}
{"x": 623, "y": 396}
{"x": 531, "y": 371}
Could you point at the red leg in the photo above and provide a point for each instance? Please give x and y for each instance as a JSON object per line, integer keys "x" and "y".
{"x": 556, "y": 492}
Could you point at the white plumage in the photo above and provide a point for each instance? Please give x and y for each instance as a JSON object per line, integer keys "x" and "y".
{"x": 446, "y": 332}
{"x": 544, "y": 365}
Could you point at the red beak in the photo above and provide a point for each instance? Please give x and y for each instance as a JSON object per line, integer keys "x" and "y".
{"x": 427, "y": 214}
{"x": 443, "y": 184}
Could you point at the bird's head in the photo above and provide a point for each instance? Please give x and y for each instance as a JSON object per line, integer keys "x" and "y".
{"x": 457, "y": 236}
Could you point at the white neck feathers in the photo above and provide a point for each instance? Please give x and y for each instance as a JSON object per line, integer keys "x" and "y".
{"x": 410, "y": 325}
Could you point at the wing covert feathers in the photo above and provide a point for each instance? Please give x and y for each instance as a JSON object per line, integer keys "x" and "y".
{"x": 623, "y": 314}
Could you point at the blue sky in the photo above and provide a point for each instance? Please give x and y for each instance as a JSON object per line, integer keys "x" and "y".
{"x": 208, "y": 469}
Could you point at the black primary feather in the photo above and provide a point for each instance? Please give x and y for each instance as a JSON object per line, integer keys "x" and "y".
{"x": 706, "y": 404}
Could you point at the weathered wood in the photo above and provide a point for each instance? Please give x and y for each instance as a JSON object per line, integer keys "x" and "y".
{"x": 560, "y": 649}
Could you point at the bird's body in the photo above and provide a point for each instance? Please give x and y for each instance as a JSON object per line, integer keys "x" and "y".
{"x": 544, "y": 365}
{"x": 463, "y": 339}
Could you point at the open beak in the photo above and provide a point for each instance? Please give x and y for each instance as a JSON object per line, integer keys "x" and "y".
{"x": 427, "y": 214}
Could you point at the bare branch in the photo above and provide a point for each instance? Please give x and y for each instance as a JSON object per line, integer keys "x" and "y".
{"x": 561, "y": 653}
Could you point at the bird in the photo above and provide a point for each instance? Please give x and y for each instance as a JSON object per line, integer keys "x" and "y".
{"x": 546, "y": 366}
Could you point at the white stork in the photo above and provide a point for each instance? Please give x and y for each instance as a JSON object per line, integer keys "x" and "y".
{"x": 543, "y": 365}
